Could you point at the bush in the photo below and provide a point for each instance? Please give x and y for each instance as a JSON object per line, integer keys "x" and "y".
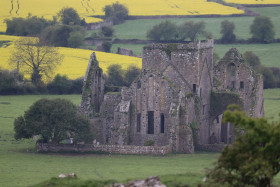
{"x": 253, "y": 159}
{"x": 107, "y": 31}
{"x": 11, "y": 83}
{"x": 58, "y": 35}
{"x": 107, "y": 46}
{"x": 53, "y": 120}
{"x": 149, "y": 143}
{"x": 76, "y": 39}
{"x": 131, "y": 74}
{"x": 30, "y": 26}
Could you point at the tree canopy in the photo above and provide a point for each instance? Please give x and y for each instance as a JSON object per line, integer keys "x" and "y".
{"x": 163, "y": 31}
{"x": 253, "y": 159}
{"x": 116, "y": 12}
{"x": 35, "y": 58}
{"x": 53, "y": 120}
{"x": 227, "y": 29}
{"x": 262, "y": 29}
{"x": 69, "y": 16}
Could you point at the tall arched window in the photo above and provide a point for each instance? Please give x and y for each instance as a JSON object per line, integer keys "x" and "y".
{"x": 161, "y": 123}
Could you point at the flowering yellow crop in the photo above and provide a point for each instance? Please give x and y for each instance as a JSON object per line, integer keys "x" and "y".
{"x": 86, "y": 8}
{"x": 75, "y": 61}
{"x": 261, "y": 2}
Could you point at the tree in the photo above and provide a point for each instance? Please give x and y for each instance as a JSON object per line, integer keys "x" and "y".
{"x": 116, "y": 12}
{"x": 115, "y": 75}
{"x": 193, "y": 30}
{"x": 107, "y": 46}
{"x": 253, "y": 159}
{"x": 69, "y": 16}
{"x": 164, "y": 31}
{"x": 107, "y": 31}
{"x": 76, "y": 39}
{"x": 53, "y": 120}
{"x": 60, "y": 85}
{"x": 131, "y": 74}
{"x": 227, "y": 29}
{"x": 252, "y": 59}
{"x": 34, "y": 58}
{"x": 262, "y": 29}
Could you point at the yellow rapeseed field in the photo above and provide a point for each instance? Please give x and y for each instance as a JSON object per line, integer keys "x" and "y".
{"x": 75, "y": 61}
{"x": 49, "y": 8}
{"x": 261, "y": 2}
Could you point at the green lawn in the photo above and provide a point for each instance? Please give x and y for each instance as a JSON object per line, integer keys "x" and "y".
{"x": 137, "y": 29}
{"x": 20, "y": 165}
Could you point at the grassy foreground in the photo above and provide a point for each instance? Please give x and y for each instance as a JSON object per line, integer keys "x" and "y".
{"x": 20, "y": 165}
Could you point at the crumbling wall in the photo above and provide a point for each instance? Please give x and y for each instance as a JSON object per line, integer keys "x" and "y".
{"x": 127, "y": 52}
{"x": 93, "y": 88}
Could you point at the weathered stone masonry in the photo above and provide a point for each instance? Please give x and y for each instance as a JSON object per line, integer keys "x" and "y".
{"x": 177, "y": 101}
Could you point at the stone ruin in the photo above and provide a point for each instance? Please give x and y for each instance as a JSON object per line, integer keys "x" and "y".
{"x": 178, "y": 100}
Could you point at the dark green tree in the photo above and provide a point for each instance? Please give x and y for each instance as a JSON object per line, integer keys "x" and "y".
{"x": 252, "y": 59}
{"x": 253, "y": 159}
{"x": 107, "y": 46}
{"x": 262, "y": 29}
{"x": 69, "y": 16}
{"x": 60, "y": 85}
{"x": 76, "y": 39}
{"x": 131, "y": 74}
{"x": 116, "y": 12}
{"x": 193, "y": 30}
{"x": 107, "y": 31}
{"x": 164, "y": 31}
{"x": 227, "y": 29}
{"x": 115, "y": 75}
{"x": 53, "y": 120}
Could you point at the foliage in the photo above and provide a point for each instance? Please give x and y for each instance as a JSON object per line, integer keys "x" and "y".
{"x": 35, "y": 58}
{"x": 253, "y": 159}
{"x": 76, "y": 39}
{"x": 116, "y": 12}
{"x": 69, "y": 16}
{"x": 107, "y": 46}
{"x": 262, "y": 29}
{"x": 131, "y": 74}
{"x": 59, "y": 35}
{"x": 115, "y": 75}
{"x": 107, "y": 31}
{"x": 149, "y": 143}
{"x": 54, "y": 120}
{"x": 10, "y": 82}
{"x": 30, "y": 26}
{"x": 60, "y": 85}
{"x": 193, "y": 30}
{"x": 227, "y": 29}
{"x": 164, "y": 31}
{"x": 252, "y": 59}
{"x": 271, "y": 76}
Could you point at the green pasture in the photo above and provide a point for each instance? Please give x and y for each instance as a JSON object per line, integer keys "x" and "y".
{"x": 137, "y": 29}
{"x": 21, "y": 166}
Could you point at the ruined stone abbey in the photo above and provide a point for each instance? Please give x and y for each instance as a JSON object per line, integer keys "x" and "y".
{"x": 178, "y": 100}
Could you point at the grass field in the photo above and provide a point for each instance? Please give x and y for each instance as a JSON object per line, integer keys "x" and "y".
{"x": 137, "y": 29}
{"x": 21, "y": 166}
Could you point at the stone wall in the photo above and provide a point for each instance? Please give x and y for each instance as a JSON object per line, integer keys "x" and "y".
{"x": 98, "y": 25}
{"x": 120, "y": 149}
{"x": 210, "y": 147}
{"x": 127, "y": 52}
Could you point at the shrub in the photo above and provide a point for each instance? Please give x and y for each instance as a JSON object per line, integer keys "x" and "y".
{"x": 116, "y": 12}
